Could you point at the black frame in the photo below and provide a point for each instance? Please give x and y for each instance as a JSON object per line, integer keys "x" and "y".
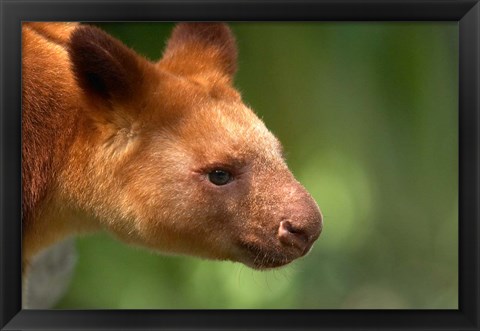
{"x": 13, "y": 12}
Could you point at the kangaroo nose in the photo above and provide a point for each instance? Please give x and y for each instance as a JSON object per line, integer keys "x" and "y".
{"x": 297, "y": 237}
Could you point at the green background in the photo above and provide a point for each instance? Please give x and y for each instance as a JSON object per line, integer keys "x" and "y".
{"x": 367, "y": 113}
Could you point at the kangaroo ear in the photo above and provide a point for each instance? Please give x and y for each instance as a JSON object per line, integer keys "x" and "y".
{"x": 103, "y": 65}
{"x": 201, "y": 48}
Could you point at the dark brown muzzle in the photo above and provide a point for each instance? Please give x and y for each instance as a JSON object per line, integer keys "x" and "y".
{"x": 302, "y": 226}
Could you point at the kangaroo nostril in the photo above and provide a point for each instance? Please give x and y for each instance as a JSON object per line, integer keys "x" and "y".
{"x": 285, "y": 227}
{"x": 289, "y": 235}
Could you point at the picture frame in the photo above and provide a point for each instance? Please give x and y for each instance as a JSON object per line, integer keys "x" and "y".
{"x": 465, "y": 12}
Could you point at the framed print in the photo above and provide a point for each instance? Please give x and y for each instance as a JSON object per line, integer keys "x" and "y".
{"x": 240, "y": 165}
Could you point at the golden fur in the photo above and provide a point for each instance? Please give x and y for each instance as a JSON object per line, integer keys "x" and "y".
{"x": 112, "y": 141}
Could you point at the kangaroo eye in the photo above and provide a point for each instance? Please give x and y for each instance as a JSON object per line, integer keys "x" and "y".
{"x": 219, "y": 177}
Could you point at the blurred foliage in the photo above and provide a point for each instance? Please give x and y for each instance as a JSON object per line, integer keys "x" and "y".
{"x": 367, "y": 113}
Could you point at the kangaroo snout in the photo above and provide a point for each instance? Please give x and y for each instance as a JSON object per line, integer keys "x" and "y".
{"x": 302, "y": 226}
{"x": 299, "y": 236}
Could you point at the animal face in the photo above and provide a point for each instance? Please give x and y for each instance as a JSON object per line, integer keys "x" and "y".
{"x": 170, "y": 158}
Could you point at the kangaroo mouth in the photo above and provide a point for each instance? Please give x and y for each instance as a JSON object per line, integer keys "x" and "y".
{"x": 261, "y": 258}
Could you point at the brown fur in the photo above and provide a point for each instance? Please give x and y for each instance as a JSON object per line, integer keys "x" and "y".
{"x": 113, "y": 141}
